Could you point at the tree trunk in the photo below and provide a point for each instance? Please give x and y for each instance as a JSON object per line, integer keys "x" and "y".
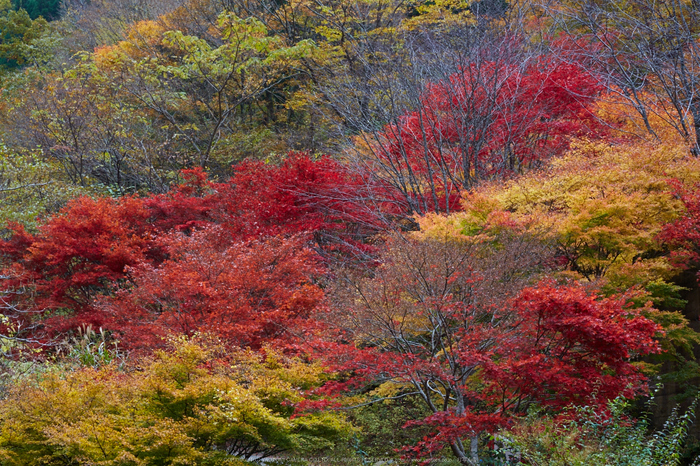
{"x": 695, "y": 111}
{"x": 460, "y": 454}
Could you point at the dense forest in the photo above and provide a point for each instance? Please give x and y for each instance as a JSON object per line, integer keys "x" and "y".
{"x": 363, "y": 232}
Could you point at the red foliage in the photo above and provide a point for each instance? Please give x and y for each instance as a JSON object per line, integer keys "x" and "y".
{"x": 567, "y": 346}
{"x": 247, "y": 292}
{"x": 260, "y": 200}
{"x": 14, "y": 249}
{"x": 683, "y": 235}
{"x": 489, "y": 119}
{"x": 185, "y": 206}
{"x": 476, "y": 368}
{"x": 76, "y": 256}
{"x": 300, "y": 195}
{"x": 93, "y": 246}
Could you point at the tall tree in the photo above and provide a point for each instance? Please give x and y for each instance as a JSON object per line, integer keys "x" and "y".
{"x": 22, "y": 37}
{"x": 647, "y": 52}
{"x": 453, "y": 322}
{"x": 494, "y": 108}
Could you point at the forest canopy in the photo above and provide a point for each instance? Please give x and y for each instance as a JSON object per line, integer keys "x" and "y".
{"x": 349, "y": 232}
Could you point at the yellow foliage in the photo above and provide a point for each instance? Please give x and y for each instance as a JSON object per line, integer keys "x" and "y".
{"x": 108, "y": 57}
{"x": 390, "y": 389}
{"x": 146, "y": 33}
{"x": 198, "y": 403}
{"x": 603, "y": 205}
{"x": 441, "y": 13}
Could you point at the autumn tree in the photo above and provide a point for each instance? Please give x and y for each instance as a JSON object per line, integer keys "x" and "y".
{"x": 603, "y": 208}
{"x": 249, "y": 293}
{"x": 493, "y": 108}
{"x": 266, "y": 218}
{"x": 647, "y": 54}
{"x": 80, "y": 121}
{"x": 74, "y": 258}
{"x": 682, "y": 236}
{"x": 301, "y": 194}
{"x": 200, "y": 88}
{"x": 129, "y": 115}
{"x": 31, "y": 188}
{"x": 87, "y": 26}
{"x": 453, "y": 322}
{"x": 25, "y": 39}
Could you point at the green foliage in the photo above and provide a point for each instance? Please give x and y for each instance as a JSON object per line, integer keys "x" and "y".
{"x": 23, "y": 39}
{"x": 31, "y": 187}
{"x": 93, "y": 349}
{"x": 47, "y": 9}
{"x": 129, "y": 116}
{"x": 380, "y": 424}
{"x": 594, "y": 438}
{"x": 678, "y": 358}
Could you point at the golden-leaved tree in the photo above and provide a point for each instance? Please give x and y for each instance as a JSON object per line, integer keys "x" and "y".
{"x": 193, "y": 404}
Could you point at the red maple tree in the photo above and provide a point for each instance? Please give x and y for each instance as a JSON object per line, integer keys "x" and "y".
{"x": 247, "y": 292}
{"x": 455, "y": 324}
{"x": 682, "y": 237}
{"x": 489, "y": 119}
{"x": 76, "y": 256}
{"x": 53, "y": 280}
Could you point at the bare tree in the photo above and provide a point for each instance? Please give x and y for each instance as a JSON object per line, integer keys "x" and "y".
{"x": 90, "y": 24}
{"x": 89, "y": 129}
{"x": 647, "y": 52}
